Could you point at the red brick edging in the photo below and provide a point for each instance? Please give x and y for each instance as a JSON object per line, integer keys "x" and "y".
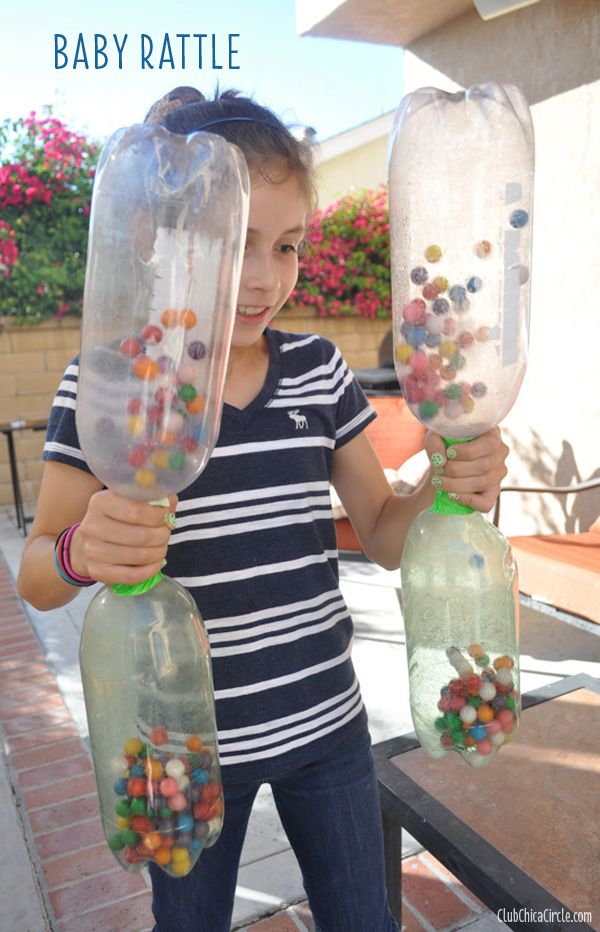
{"x": 83, "y": 887}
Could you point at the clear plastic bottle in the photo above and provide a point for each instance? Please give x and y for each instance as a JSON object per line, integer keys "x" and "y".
{"x": 167, "y": 230}
{"x": 461, "y": 175}
{"x": 168, "y": 225}
{"x": 460, "y": 608}
{"x": 146, "y": 671}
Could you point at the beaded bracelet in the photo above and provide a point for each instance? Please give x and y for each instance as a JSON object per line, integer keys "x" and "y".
{"x": 62, "y": 562}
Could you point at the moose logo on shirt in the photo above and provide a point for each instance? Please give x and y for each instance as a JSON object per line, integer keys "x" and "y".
{"x": 299, "y": 419}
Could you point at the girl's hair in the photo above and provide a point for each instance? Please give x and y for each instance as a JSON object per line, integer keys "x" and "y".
{"x": 265, "y": 141}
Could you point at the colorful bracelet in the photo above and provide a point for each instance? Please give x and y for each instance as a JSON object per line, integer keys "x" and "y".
{"x": 62, "y": 561}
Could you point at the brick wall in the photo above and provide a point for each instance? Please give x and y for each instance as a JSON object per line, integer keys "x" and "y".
{"x": 32, "y": 360}
{"x": 357, "y": 337}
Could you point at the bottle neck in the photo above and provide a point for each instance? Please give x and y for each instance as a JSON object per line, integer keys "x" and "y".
{"x": 138, "y": 588}
{"x": 443, "y": 504}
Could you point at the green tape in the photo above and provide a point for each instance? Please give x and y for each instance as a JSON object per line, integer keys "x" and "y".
{"x": 443, "y": 504}
{"x": 138, "y": 588}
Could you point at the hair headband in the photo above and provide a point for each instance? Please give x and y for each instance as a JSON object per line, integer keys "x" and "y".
{"x": 239, "y": 119}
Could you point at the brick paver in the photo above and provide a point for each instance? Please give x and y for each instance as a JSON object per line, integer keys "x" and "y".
{"x": 84, "y": 889}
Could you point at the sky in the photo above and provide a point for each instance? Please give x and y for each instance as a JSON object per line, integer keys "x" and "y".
{"x": 331, "y": 85}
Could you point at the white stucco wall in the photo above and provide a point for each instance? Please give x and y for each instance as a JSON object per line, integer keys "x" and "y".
{"x": 552, "y": 52}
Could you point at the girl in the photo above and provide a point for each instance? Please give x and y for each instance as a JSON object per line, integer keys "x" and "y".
{"x": 255, "y": 545}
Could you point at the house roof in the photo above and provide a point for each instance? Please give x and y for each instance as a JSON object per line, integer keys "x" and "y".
{"x": 389, "y": 22}
{"x": 355, "y": 136}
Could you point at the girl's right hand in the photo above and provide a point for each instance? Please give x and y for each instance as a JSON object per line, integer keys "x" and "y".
{"x": 121, "y": 541}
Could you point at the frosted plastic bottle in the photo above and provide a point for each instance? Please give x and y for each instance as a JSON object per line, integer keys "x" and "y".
{"x": 460, "y": 174}
{"x": 168, "y": 225}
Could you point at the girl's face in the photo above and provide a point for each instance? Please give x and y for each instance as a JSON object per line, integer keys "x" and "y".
{"x": 276, "y": 225}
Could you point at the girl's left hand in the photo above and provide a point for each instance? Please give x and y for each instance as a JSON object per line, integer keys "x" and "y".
{"x": 473, "y": 471}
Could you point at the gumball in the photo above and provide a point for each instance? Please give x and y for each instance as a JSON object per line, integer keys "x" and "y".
{"x": 446, "y": 741}
{"x": 441, "y": 282}
{"x": 487, "y": 691}
{"x": 440, "y": 306}
{"x": 418, "y": 275}
{"x": 433, "y": 253}
{"x": 453, "y": 410}
{"x": 177, "y": 459}
{"x": 186, "y": 392}
{"x": 447, "y": 349}
{"x": 185, "y": 822}
{"x": 137, "y": 771}
{"x": 493, "y": 727}
{"x": 403, "y": 353}
{"x": 429, "y": 409}
{"x": 484, "y": 713}
{"x": 510, "y": 702}
{"x": 139, "y": 806}
{"x": 136, "y": 786}
{"x": 504, "y": 662}
{"x": 122, "y": 822}
{"x": 202, "y": 810}
{"x": 129, "y": 837}
{"x": 467, "y": 404}
{"x": 457, "y": 362}
{"x": 123, "y": 808}
{"x": 482, "y": 334}
{"x": 183, "y": 782}
{"x": 175, "y": 768}
{"x": 153, "y": 768}
{"x": 457, "y": 294}
{"x": 162, "y": 856}
{"x": 478, "y": 389}
{"x": 498, "y": 703}
{"x": 468, "y": 714}
{"x": 130, "y": 347}
{"x": 160, "y": 460}
{"x": 116, "y": 842}
{"x": 178, "y": 802}
{"x": 169, "y": 319}
{"x": 414, "y": 311}
{"x": 168, "y": 786}
{"x": 166, "y": 364}
{"x": 473, "y": 682}
{"x": 193, "y": 743}
{"x": 519, "y": 218}
{"x": 448, "y": 326}
{"x": 474, "y": 284}
{"x": 483, "y": 249}
{"x": 152, "y": 335}
{"x": 145, "y": 478}
{"x": 485, "y": 747}
{"x": 506, "y": 719}
{"x": 205, "y": 758}
{"x": 504, "y": 677}
{"x": 139, "y": 823}
{"x": 145, "y": 368}
{"x": 136, "y": 425}
{"x": 465, "y": 338}
{"x": 120, "y": 786}
{"x": 196, "y": 350}
{"x": 159, "y": 736}
{"x": 430, "y": 291}
{"x": 475, "y": 650}
{"x": 498, "y": 738}
{"x": 187, "y": 318}
{"x": 456, "y": 703}
{"x": 137, "y": 456}
{"x": 475, "y": 701}
{"x": 478, "y": 732}
{"x": 132, "y": 856}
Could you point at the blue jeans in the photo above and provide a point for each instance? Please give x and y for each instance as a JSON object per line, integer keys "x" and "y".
{"x": 330, "y": 812}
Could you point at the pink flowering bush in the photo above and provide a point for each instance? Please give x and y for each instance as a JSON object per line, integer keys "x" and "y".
{"x": 46, "y": 177}
{"x": 345, "y": 267}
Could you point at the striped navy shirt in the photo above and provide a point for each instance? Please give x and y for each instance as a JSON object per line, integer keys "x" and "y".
{"x": 255, "y": 545}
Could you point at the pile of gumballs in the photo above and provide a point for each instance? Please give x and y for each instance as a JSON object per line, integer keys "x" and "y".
{"x": 437, "y": 334}
{"x": 162, "y": 405}
{"x": 169, "y": 807}
{"x": 479, "y": 709}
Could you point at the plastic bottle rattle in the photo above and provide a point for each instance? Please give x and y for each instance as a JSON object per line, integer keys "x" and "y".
{"x": 168, "y": 222}
{"x": 460, "y": 174}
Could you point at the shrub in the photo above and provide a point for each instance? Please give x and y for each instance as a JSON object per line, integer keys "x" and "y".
{"x": 345, "y": 267}
{"x": 46, "y": 177}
